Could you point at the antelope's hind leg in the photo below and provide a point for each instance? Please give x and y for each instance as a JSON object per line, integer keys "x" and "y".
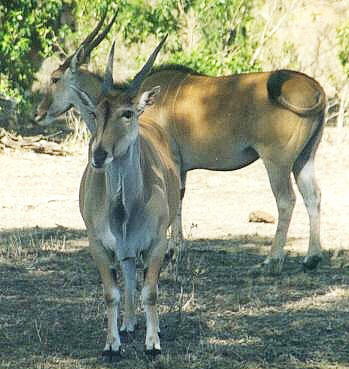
{"x": 305, "y": 178}
{"x": 105, "y": 265}
{"x": 149, "y": 297}
{"x": 281, "y": 185}
{"x": 130, "y": 321}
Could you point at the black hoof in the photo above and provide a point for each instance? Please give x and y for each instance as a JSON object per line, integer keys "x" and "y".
{"x": 127, "y": 337}
{"x": 311, "y": 263}
{"x": 111, "y": 355}
{"x": 153, "y": 354}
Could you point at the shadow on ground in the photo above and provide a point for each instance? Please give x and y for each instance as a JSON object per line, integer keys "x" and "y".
{"x": 214, "y": 312}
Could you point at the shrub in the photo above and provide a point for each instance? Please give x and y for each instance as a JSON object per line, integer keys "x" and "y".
{"x": 343, "y": 43}
{"x": 28, "y": 33}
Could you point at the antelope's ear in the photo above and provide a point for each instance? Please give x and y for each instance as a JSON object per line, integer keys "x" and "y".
{"x": 147, "y": 98}
{"x": 85, "y": 99}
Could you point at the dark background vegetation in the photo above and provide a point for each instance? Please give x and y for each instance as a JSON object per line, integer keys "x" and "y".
{"x": 213, "y": 37}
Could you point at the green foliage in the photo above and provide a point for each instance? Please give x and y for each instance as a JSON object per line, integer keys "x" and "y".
{"x": 223, "y": 22}
{"x": 211, "y": 36}
{"x": 137, "y": 20}
{"x": 222, "y": 37}
{"x": 212, "y": 64}
{"x": 220, "y": 29}
{"x": 343, "y": 43}
{"x": 27, "y": 33}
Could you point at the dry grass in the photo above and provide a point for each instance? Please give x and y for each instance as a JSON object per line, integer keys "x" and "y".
{"x": 216, "y": 315}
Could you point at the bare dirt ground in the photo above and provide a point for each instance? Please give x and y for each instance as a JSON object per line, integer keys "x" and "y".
{"x": 42, "y": 190}
{"x": 215, "y": 314}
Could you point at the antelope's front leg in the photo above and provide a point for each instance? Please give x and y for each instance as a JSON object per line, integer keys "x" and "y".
{"x": 149, "y": 298}
{"x": 130, "y": 321}
{"x": 177, "y": 231}
{"x": 176, "y": 236}
{"x": 106, "y": 269}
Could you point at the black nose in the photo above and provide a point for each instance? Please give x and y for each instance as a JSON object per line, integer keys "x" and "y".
{"x": 98, "y": 157}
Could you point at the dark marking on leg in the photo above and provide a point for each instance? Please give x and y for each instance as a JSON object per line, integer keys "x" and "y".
{"x": 114, "y": 275}
{"x": 168, "y": 256}
{"x": 151, "y": 298}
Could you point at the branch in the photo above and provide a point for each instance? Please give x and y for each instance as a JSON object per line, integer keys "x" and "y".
{"x": 268, "y": 33}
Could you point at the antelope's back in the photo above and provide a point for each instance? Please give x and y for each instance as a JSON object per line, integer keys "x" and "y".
{"x": 211, "y": 119}
{"x": 207, "y": 117}
{"x": 188, "y": 99}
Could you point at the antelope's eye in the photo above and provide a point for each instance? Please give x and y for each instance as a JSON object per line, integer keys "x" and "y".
{"x": 54, "y": 80}
{"x": 128, "y": 114}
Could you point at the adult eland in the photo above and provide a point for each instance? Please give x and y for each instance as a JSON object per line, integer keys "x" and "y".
{"x": 129, "y": 194}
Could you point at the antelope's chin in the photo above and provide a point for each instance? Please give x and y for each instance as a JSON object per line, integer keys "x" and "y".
{"x": 98, "y": 169}
{"x": 46, "y": 118}
{"x": 40, "y": 119}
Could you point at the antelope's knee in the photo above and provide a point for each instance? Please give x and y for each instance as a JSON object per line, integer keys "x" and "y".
{"x": 112, "y": 297}
{"x": 149, "y": 296}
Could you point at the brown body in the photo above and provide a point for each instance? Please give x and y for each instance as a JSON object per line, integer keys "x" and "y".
{"x": 225, "y": 123}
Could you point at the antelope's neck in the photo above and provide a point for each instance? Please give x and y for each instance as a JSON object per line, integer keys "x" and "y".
{"x": 124, "y": 179}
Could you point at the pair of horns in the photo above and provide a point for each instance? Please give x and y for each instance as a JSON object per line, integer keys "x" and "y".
{"x": 82, "y": 53}
{"x": 140, "y": 76}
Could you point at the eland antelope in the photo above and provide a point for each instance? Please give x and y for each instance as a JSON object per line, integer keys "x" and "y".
{"x": 227, "y": 123}
{"x": 59, "y": 95}
{"x": 129, "y": 194}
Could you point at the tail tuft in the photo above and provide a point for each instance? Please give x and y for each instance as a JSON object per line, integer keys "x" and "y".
{"x": 296, "y": 92}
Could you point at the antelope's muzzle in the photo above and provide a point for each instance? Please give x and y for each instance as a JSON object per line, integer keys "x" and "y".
{"x": 99, "y": 156}
{"x": 39, "y": 117}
